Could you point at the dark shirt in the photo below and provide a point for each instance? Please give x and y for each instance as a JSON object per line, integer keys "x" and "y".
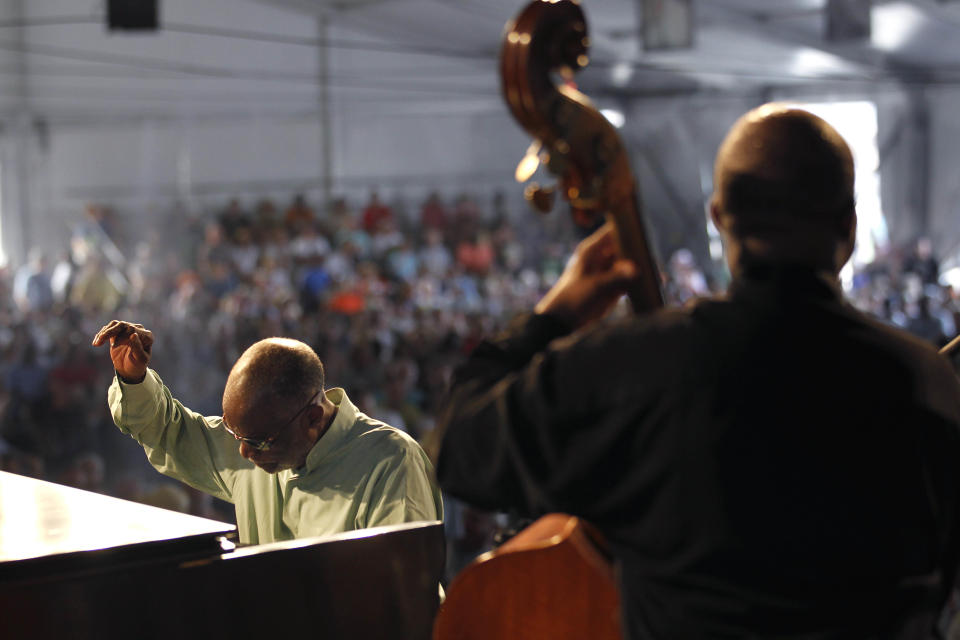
{"x": 769, "y": 464}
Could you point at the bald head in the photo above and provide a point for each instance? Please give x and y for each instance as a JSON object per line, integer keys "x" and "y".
{"x": 272, "y": 373}
{"x": 783, "y": 179}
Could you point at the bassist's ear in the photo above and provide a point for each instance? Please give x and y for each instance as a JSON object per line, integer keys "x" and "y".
{"x": 717, "y": 216}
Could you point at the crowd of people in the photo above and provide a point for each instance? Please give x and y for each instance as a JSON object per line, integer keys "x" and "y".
{"x": 391, "y": 300}
{"x": 904, "y": 287}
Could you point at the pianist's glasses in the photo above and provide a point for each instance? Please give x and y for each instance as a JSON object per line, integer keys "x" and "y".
{"x": 263, "y": 444}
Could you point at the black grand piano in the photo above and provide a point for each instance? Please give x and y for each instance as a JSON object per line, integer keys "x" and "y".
{"x": 75, "y": 564}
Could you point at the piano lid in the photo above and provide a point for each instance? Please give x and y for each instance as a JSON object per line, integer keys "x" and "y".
{"x": 40, "y": 519}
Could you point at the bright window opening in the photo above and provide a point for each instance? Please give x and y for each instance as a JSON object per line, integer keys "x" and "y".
{"x": 857, "y": 123}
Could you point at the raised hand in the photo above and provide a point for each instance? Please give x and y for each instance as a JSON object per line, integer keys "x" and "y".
{"x": 593, "y": 281}
{"x": 130, "y": 346}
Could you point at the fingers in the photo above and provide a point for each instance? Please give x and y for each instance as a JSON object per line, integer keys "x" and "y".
{"x": 144, "y": 337}
{"x": 119, "y": 329}
{"x": 108, "y": 331}
{"x": 599, "y": 242}
{"x": 138, "y": 352}
{"x": 599, "y": 257}
{"x": 147, "y": 337}
{"x": 618, "y": 276}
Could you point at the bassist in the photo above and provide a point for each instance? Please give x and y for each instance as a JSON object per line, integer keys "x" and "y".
{"x": 769, "y": 464}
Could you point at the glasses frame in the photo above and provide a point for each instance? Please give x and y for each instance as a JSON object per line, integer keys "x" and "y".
{"x": 264, "y": 444}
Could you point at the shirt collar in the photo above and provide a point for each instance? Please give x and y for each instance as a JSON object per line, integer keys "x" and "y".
{"x": 794, "y": 281}
{"x": 343, "y": 421}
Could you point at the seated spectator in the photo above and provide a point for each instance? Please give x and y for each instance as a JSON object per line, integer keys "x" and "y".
{"x": 233, "y": 218}
{"x": 275, "y": 244}
{"x": 402, "y": 262}
{"x": 244, "y": 253}
{"x": 214, "y": 246}
{"x": 498, "y": 205}
{"x": 308, "y": 246}
{"x": 186, "y": 303}
{"x": 510, "y": 251}
{"x": 299, "y": 215}
{"x": 433, "y": 215}
{"x": 219, "y": 279}
{"x": 265, "y": 218}
{"x": 32, "y": 290}
{"x": 26, "y": 379}
{"x": 314, "y": 286}
{"x": 476, "y": 256}
{"x": 350, "y": 297}
{"x": 274, "y": 275}
{"x": 435, "y": 256}
{"x": 922, "y": 262}
{"x": 342, "y": 262}
{"x": 375, "y": 214}
{"x": 466, "y": 219}
{"x": 385, "y": 239}
{"x": 342, "y": 218}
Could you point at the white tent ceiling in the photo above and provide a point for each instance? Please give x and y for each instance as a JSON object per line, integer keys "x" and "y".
{"x": 216, "y": 57}
{"x": 335, "y": 96}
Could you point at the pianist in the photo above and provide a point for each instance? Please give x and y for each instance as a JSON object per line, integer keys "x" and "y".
{"x": 294, "y": 458}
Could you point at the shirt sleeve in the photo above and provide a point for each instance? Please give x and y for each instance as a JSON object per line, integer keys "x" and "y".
{"x": 405, "y": 491}
{"x": 178, "y": 442}
{"x": 500, "y": 419}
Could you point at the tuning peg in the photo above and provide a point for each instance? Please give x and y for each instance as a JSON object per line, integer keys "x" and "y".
{"x": 529, "y": 163}
{"x": 557, "y": 161}
{"x": 540, "y": 198}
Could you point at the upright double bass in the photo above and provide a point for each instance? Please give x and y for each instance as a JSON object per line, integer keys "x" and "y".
{"x": 553, "y": 579}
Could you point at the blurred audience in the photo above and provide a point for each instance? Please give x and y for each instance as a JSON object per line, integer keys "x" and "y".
{"x": 390, "y": 307}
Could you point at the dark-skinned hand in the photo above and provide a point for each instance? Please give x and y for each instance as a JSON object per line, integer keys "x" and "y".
{"x": 130, "y": 346}
{"x": 593, "y": 281}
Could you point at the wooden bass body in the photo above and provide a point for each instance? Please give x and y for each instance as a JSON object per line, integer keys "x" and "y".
{"x": 550, "y": 581}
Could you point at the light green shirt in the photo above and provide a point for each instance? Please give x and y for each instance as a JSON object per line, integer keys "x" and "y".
{"x": 361, "y": 473}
